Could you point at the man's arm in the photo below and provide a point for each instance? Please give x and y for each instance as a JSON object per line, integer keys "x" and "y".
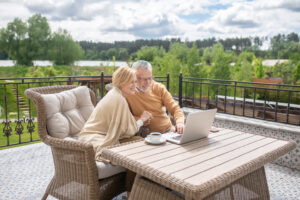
{"x": 173, "y": 108}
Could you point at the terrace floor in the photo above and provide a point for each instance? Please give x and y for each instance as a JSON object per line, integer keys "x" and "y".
{"x": 26, "y": 171}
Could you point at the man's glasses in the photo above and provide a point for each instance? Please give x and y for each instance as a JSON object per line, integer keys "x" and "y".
{"x": 145, "y": 79}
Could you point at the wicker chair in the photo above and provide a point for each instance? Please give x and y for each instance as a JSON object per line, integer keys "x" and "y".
{"x": 76, "y": 173}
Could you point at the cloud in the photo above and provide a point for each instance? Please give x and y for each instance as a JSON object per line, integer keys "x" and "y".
{"x": 159, "y": 27}
{"x": 11, "y": 10}
{"x": 107, "y": 20}
{"x": 58, "y": 10}
{"x": 293, "y": 5}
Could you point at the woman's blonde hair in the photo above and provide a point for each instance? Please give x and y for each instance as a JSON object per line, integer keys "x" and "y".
{"x": 123, "y": 76}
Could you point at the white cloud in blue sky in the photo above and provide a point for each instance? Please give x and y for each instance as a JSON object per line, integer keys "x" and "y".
{"x": 109, "y": 21}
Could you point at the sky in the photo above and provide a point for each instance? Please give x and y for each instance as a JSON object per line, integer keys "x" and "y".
{"x": 127, "y": 20}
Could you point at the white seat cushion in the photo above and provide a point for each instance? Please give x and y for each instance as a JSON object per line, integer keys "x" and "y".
{"x": 104, "y": 170}
{"x": 67, "y": 111}
{"x": 107, "y": 170}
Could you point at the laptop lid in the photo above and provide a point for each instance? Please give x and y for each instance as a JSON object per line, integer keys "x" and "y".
{"x": 197, "y": 126}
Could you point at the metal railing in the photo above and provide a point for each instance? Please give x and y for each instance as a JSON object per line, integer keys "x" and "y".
{"x": 18, "y": 114}
{"x": 272, "y": 102}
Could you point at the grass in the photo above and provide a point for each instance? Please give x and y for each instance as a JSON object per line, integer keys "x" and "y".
{"x": 13, "y": 72}
{"x": 14, "y": 138}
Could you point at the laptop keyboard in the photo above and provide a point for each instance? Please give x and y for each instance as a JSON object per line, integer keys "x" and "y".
{"x": 178, "y": 137}
{"x": 172, "y": 135}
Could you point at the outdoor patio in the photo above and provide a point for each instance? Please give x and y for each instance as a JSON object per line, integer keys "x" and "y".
{"x": 26, "y": 171}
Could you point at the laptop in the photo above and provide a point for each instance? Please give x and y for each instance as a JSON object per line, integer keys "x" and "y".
{"x": 197, "y": 126}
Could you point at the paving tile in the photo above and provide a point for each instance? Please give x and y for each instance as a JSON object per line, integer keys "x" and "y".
{"x": 26, "y": 171}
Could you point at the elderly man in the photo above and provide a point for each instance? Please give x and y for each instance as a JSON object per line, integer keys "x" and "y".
{"x": 153, "y": 97}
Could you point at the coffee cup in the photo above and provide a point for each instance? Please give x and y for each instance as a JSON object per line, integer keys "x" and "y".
{"x": 155, "y": 137}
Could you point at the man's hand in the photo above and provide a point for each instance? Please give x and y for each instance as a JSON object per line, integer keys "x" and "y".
{"x": 146, "y": 118}
{"x": 179, "y": 127}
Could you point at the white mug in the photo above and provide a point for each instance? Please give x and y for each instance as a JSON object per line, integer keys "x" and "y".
{"x": 155, "y": 136}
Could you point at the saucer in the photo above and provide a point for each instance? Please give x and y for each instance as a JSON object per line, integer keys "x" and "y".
{"x": 161, "y": 141}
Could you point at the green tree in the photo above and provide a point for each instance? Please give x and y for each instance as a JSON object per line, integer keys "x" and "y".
{"x": 169, "y": 63}
{"x": 13, "y": 41}
{"x": 91, "y": 54}
{"x": 102, "y": 55}
{"x": 258, "y": 68}
{"x": 39, "y": 34}
{"x": 123, "y": 54}
{"x": 207, "y": 56}
{"x": 111, "y": 52}
{"x": 180, "y": 50}
{"x": 243, "y": 68}
{"x": 220, "y": 69}
{"x": 297, "y": 74}
{"x": 193, "y": 62}
{"x": 64, "y": 50}
{"x": 284, "y": 46}
{"x": 148, "y": 53}
{"x": 293, "y": 37}
{"x": 285, "y": 71}
{"x": 221, "y": 63}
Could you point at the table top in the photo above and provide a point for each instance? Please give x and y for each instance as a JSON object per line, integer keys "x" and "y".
{"x": 201, "y": 167}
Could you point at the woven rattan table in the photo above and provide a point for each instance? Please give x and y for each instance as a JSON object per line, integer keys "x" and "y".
{"x": 226, "y": 165}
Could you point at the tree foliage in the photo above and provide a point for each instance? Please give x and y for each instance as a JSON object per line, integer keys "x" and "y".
{"x": 13, "y": 41}
{"x": 258, "y": 68}
{"x": 221, "y": 63}
{"x": 243, "y": 68}
{"x": 148, "y": 53}
{"x": 63, "y": 50}
{"x": 32, "y": 40}
{"x": 39, "y": 34}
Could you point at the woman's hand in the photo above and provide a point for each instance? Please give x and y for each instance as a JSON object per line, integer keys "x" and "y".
{"x": 146, "y": 118}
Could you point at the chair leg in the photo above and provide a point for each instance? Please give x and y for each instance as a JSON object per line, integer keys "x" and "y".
{"x": 45, "y": 196}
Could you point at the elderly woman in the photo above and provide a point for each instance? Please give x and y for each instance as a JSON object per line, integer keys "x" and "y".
{"x": 111, "y": 121}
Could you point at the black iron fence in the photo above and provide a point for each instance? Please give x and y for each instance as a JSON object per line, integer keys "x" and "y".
{"x": 273, "y": 102}
{"x": 18, "y": 114}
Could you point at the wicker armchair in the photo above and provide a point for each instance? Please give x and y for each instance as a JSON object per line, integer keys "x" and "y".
{"x": 76, "y": 172}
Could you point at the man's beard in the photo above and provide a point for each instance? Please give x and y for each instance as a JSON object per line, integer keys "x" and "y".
{"x": 141, "y": 90}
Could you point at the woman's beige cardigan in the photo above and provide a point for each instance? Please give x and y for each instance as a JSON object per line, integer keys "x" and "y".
{"x": 110, "y": 121}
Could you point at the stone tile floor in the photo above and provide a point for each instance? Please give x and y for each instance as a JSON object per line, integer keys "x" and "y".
{"x": 26, "y": 171}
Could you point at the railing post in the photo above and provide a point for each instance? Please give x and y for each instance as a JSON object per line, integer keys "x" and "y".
{"x": 7, "y": 130}
{"x": 168, "y": 81}
{"x": 180, "y": 90}
{"x": 234, "y": 98}
{"x": 102, "y": 84}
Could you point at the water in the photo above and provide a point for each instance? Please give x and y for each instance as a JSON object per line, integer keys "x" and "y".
{"x": 7, "y": 63}
{"x": 87, "y": 63}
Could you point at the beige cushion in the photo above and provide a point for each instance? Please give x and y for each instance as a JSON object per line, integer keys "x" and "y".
{"x": 104, "y": 170}
{"x": 67, "y": 111}
{"x": 107, "y": 170}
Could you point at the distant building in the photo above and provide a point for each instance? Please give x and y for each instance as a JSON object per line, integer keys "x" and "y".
{"x": 269, "y": 62}
{"x": 272, "y": 62}
{"x": 276, "y": 80}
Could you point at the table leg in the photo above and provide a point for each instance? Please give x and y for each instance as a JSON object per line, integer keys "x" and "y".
{"x": 147, "y": 190}
{"x": 252, "y": 186}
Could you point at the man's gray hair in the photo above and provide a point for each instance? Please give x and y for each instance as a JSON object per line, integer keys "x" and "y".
{"x": 143, "y": 64}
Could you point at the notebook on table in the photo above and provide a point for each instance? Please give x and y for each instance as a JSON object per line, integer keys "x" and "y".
{"x": 197, "y": 126}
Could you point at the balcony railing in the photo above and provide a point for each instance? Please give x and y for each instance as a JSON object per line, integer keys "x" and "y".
{"x": 17, "y": 113}
{"x": 273, "y": 102}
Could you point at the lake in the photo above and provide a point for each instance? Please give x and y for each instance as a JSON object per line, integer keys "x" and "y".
{"x": 81, "y": 63}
